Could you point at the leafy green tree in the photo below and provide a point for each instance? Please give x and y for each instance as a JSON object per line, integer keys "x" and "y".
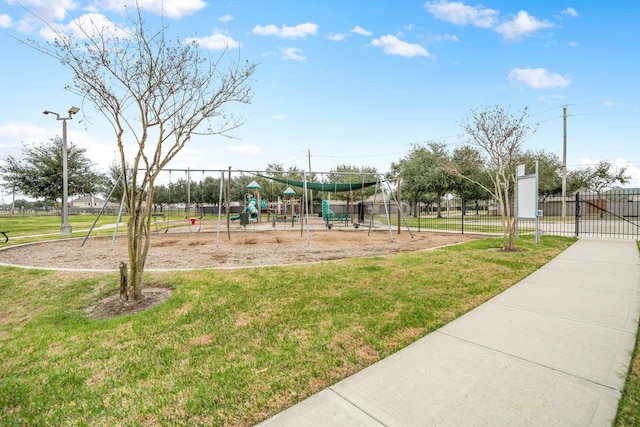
{"x": 38, "y": 172}
{"x": 425, "y": 170}
{"x": 549, "y": 169}
{"x": 210, "y": 187}
{"x": 409, "y": 169}
{"x": 468, "y": 161}
{"x": 597, "y": 178}
{"x": 349, "y": 174}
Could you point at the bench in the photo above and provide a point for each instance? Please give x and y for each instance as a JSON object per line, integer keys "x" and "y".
{"x": 4, "y": 233}
{"x": 337, "y": 217}
{"x": 282, "y": 218}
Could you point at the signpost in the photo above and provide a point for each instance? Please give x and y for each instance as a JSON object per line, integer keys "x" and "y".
{"x": 527, "y": 197}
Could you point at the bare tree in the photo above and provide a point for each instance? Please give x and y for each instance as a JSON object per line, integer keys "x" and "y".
{"x": 154, "y": 92}
{"x": 499, "y": 135}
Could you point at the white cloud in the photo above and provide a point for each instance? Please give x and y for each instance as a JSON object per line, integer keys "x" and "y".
{"x": 461, "y": 14}
{"x": 570, "y": 12}
{"x": 291, "y": 53}
{"x": 170, "y": 8}
{"x": 444, "y": 37}
{"x": 337, "y": 37}
{"x": 5, "y": 21}
{"x": 225, "y": 18}
{"x": 521, "y": 26}
{"x": 550, "y": 99}
{"x": 79, "y": 27}
{"x": 359, "y": 30}
{"x": 609, "y": 103}
{"x": 216, "y": 41}
{"x": 286, "y": 32}
{"x": 391, "y": 45}
{"x": 572, "y": 44}
{"x": 538, "y": 78}
{"x": 49, "y": 10}
{"x": 277, "y": 117}
{"x": 246, "y": 149}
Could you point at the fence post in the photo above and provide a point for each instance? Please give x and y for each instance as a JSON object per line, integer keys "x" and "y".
{"x": 577, "y": 213}
{"x": 464, "y": 209}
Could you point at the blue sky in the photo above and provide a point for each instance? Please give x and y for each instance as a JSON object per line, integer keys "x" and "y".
{"x": 359, "y": 82}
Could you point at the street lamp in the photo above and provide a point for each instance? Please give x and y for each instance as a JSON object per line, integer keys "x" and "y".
{"x": 65, "y": 227}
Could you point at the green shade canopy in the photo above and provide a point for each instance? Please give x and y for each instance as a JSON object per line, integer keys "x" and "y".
{"x": 335, "y": 188}
{"x": 253, "y": 185}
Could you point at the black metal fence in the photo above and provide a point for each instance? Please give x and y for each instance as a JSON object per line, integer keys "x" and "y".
{"x": 611, "y": 214}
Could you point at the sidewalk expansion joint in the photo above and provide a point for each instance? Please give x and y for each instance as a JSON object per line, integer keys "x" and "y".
{"x": 531, "y": 362}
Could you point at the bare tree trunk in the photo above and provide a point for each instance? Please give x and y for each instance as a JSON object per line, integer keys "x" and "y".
{"x": 124, "y": 296}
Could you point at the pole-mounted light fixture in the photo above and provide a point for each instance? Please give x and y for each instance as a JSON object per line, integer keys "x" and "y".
{"x": 65, "y": 227}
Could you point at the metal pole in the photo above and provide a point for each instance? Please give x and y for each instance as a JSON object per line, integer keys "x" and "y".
{"x": 564, "y": 161}
{"x": 399, "y": 200}
{"x": 65, "y": 228}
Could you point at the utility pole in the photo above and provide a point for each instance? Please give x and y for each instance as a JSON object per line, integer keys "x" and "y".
{"x": 310, "y": 191}
{"x": 564, "y": 160}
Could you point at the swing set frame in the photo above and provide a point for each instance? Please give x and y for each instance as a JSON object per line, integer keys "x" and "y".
{"x": 305, "y": 185}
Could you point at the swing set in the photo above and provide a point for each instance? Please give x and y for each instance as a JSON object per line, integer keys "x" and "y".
{"x": 288, "y": 209}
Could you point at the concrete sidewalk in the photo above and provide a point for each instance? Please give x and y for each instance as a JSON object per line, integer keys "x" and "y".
{"x": 553, "y": 350}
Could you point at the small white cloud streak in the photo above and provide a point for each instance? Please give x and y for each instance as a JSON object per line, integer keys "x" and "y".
{"x": 538, "y": 78}
{"x": 175, "y": 9}
{"x": 216, "y": 41}
{"x": 277, "y": 117}
{"x": 521, "y": 26}
{"x": 459, "y": 13}
{"x": 337, "y": 37}
{"x": 391, "y": 45}
{"x": 361, "y": 31}
{"x": 87, "y": 24}
{"x": 286, "y": 32}
{"x": 225, "y": 18}
{"x": 291, "y": 53}
{"x": 570, "y": 12}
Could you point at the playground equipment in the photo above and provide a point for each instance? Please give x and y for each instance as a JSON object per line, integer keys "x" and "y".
{"x": 249, "y": 213}
{"x": 328, "y": 216}
{"x": 193, "y": 222}
{"x": 158, "y": 217}
{"x": 287, "y": 209}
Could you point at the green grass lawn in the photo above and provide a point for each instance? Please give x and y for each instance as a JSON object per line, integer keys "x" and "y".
{"x": 230, "y": 347}
{"x": 29, "y": 228}
{"x": 629, "y": 409}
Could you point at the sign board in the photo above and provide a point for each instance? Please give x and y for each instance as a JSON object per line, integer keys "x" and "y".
{"x": 527, "y": 193}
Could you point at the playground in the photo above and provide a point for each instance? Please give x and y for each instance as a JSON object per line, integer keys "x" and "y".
{"x": 181, "y": 249}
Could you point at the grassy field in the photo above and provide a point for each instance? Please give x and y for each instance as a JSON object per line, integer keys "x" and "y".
{"x": 233, "y": 347}
{"x": 30, "y": 228}
{"x": 629, "y": 409}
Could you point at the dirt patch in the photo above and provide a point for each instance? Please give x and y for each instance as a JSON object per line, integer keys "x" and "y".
{"x": 179, "y": 250}
{"x": 113, "y": 306}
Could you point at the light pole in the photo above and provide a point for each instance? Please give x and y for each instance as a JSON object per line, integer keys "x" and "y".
{"x": 65, "y": 228}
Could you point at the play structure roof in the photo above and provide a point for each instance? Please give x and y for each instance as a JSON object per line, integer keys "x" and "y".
{"x": 329, "y": 187}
